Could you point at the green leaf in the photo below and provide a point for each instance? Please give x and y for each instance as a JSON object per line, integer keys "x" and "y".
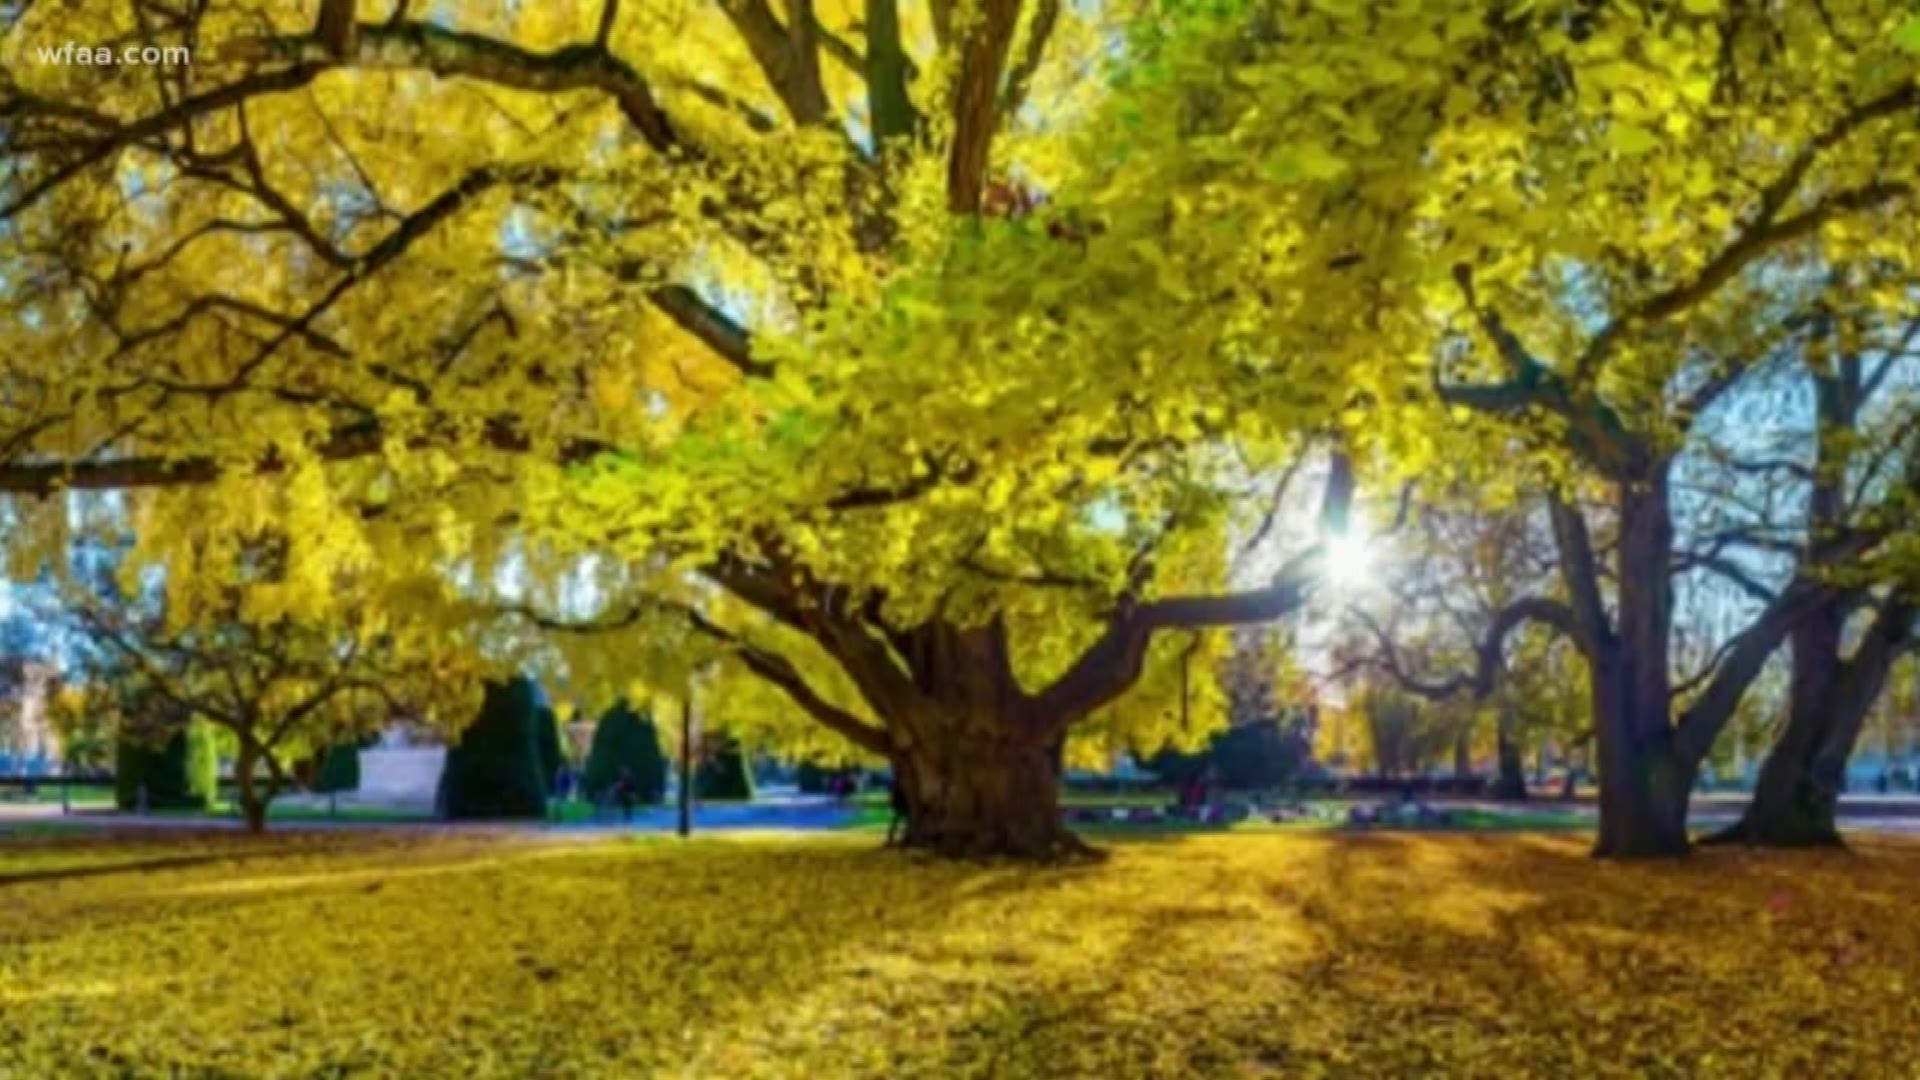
{"x": 1908, "y": 36}
{"x": 1631, "y": 138}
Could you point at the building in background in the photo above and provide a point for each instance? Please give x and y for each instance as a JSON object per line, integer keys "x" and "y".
{"x": 28, "y": 743}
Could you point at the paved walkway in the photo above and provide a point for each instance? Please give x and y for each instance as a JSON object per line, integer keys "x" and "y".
{"x": 805, "y": 813}
{"x": 787, "y": 814}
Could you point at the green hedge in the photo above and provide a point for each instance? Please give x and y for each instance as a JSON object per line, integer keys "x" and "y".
{"x": 625, "y": 739}
{"x": 494, "y": 770}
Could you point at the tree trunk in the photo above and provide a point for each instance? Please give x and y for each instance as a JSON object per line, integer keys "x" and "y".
{"x": 1797, "y": 797}
{"x": 981, "y": 788}
{"x": 1511, "y": 782}
{"x": 1793, "y": 804}
{"x": 1790, "y": 807}
{"x": 1645, "y": 780}
{"x": 1645, "y": 784}
{"x": 253, "y": 808}
{"x": 1644, "y": 792}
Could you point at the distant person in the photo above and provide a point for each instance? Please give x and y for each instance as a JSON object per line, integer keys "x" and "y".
{"x": 897, "y": 798}
{"x": 1194, "y": 792}
{"x": 624, "y": 794}
{"x": 562, "y": 783}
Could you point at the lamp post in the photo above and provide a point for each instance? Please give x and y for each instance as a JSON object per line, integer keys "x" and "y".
{"x": 686, "y": 763}
{"x": 689, "y": 727}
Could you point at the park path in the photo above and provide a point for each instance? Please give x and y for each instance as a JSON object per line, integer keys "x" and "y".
{"x": 797, "y": 813}
{"x": 807, "y": 813}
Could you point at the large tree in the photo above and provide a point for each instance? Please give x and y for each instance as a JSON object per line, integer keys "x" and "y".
{"x": 1845, "y": 469}
{"x": 1702, "y": 182}
{"x": 897, "y": 352}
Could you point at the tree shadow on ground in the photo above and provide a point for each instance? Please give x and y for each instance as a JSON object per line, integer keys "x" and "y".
{"x": 1492, "y": 956}
{"x": 1259, "y": 954}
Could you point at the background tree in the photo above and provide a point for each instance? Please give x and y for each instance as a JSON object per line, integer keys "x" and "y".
{"x": 280, "y": 685}
{"x": 1849, "y": 474}
{"x": 1466, "y": 591}
{"x": 1264, "y": 741}
{"x": 722, "y": 771}
{"x": 339, "y": 769}
{"x": 1670, "y": 238}
{"x": 625, "y": 739}
{"x": 84, "y": 717}
{"x": 166, "y": 763}
{"x": 1405, "y": 735}
{"x": 494, "y": 770}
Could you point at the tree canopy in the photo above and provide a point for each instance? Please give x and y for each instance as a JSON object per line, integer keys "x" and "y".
{"x": 921, "y": 361}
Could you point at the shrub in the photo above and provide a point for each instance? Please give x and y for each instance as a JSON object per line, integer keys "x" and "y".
{"x": 341, "y": 769}
{"x": 1257, "y": 755}
{"x": 723, "y": 773}
{"x": 625, "y": 739}
{"x": 1251, "y": 756}
{"x": 494, "y": 770}
{"x": 179, "y": 773}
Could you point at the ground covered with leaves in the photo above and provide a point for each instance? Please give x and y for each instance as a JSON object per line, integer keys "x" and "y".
{"x": 1224, "y": 955}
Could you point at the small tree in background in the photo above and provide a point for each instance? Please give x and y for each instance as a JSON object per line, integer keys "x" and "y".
{"x": 85, "y": 718}
{"x": 278, "y": 688}
{"x": 723, "y": 772}
{"x": 494, "y": 770}
{"x": 1403, "y": 736}
{"x": 626, "y": 739}
{"x": 341, "y": 769}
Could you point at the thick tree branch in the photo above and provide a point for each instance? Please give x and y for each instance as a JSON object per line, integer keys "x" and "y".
{"x": 160, "y": 123}
{"x": 976, "y": 100}
{"x": 43, "y": 478}
{"x": 787, "y": 55}
{"x": 424, "y": 46}
{"x": 1114, "y": 661}
{"x": 715, "y": 329}
{"x": 886, "y": 71}
{"x": 1489, "y": 652}
{"x": 775, "y": 669}
{"x": 1728, "y": 569}
{"x": 1580, "y": 573}
{"x": 1741, "y": 663}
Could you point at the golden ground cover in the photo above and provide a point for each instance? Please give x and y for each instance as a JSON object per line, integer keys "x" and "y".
{"x": 1255, "y": 955}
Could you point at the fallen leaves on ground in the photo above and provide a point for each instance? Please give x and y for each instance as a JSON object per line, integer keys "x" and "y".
{"x": 1255, "y": 955}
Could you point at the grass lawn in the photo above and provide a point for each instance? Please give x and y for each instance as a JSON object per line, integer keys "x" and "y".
{"x": 80, "y": 796}
{"x": 1275, "y": 954}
